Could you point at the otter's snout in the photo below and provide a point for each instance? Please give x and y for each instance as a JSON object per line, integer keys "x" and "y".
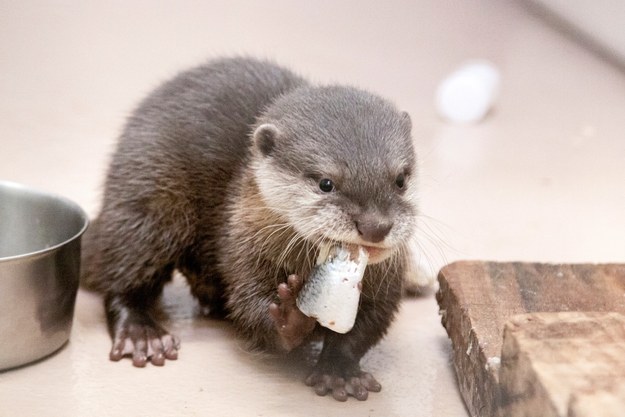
{"x": 372, "y": 229}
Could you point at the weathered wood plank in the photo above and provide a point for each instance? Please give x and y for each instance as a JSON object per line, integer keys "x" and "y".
{"x": 563, "y": 364}
{"x": 476, "y": 299}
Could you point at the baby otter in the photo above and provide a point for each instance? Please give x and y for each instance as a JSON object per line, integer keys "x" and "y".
{"x": 235, "y": 173}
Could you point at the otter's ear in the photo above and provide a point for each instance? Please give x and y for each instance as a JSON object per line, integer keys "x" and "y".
{"x": 265, "y": 137}
{"x": 406, "y": 123}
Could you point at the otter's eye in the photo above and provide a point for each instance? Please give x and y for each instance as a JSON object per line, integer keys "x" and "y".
{"x": 400, "y": 181}
{"x": 326, "y": 185}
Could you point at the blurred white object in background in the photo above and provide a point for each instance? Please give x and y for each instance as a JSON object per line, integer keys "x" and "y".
{"x": 467, "y": 94}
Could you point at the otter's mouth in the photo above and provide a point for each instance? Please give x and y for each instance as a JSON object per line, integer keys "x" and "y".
{"x": 376, "y": 253}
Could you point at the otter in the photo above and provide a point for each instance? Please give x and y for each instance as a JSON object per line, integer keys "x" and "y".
{"x": 234, "y": 173}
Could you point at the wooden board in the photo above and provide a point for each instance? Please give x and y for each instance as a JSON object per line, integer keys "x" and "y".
{"x": 476, "y": 300}
{"x": 563, "y": 365}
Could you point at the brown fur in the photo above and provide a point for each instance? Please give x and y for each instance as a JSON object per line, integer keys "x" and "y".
{"x": 217, "y": 174}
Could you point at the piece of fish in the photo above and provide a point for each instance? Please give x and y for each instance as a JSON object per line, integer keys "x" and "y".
{"x": 332, "y": 291}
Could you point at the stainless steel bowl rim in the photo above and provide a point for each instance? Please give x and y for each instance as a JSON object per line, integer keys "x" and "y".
{"x": 64, "y": 200}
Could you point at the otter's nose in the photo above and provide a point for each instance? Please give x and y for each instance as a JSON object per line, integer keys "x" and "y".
{"x": 373, "y": 230}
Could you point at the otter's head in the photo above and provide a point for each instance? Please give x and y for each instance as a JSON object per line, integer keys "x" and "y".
{"x": 338, "y": 164}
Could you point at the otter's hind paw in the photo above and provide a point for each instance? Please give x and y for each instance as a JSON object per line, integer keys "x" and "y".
{"x": 358, "y": 386}
{"x": 144, "y": 342}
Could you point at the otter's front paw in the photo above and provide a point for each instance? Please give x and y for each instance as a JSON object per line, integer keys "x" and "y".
{"x": 291, "y": 324}
{"x": 358, "y": 386}
{"x": 144, "y": 341}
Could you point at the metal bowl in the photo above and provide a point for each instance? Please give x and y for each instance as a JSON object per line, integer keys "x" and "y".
{"x": 39, "y": 270}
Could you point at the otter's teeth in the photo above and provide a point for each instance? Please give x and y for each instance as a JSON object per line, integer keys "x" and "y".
{"x": 332, "y": 291}
{"x": 324, "y": 253}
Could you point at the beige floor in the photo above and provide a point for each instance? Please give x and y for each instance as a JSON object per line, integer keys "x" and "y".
{"x": 542, "y": 178}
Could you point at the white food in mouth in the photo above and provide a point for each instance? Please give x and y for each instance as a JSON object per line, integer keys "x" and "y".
{"x": 332, "y": 291}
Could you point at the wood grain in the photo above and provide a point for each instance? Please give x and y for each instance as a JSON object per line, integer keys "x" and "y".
{"x": 563, "y": 364}
{"x": 476, "y": 299}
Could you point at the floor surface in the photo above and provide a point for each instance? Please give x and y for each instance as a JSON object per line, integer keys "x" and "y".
{"x": 540, "y": 179}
